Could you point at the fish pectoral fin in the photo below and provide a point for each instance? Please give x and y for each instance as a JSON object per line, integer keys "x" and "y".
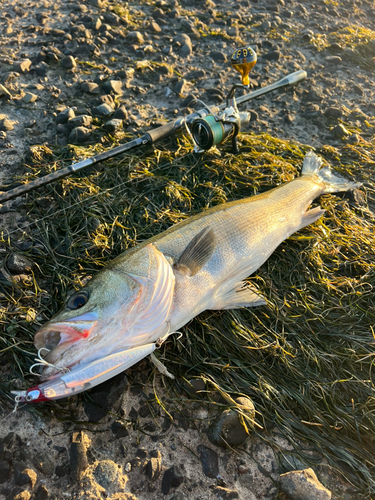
{"x": 197, "y": 253}
{"x": 311, "y": 216}
{"x": 239, "y": 296}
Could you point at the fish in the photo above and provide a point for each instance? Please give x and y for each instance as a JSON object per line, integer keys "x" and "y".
{"x": 131, "y": 306}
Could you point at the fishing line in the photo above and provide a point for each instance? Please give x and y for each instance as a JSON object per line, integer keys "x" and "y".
{"x": 89, "y": 198}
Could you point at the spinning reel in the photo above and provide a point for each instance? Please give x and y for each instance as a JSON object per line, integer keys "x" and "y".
{"x": 214, "y": 129}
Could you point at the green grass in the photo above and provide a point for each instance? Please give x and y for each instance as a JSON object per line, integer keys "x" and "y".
{"x": 305, "y": 359}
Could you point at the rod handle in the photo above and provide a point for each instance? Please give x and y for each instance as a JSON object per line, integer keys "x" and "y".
{"x": 166, "y": 130}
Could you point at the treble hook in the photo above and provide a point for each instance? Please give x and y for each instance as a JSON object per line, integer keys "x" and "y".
{"x": 44, "y": 363}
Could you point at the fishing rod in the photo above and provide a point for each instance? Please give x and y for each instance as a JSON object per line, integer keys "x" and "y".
{"x": 207, "y": 127}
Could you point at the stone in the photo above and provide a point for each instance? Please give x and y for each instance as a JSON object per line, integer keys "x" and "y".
{"x": 233, "y": 31}
{"x": 103, "y": 110}
{"x": 25, "y": 477}
{"x": 172, "y": 478}
{"x": 4, "y": 471}
{"x": 135, "y": 37}
{"x": 22, "y": 66}
{"x": 185, "y": 50}
{"x": 41, "y": 68}
{"x": 24, "y": 495}
{"x": 90, "y": 88}
{"x": 113, "y": 86}
{"x": 19, "y": 264}
{"x": 112, "y": 125}
{"x": 225, "y": 493}
{"x": 4, "y": 92}
{"x": 121, "y": 113}
{"x": 303, "y": 485}
{"x": 333, "y": 112}
{"x": 68, "y": 62}
{"x": 155, "y": 27}
{"x": 154, "y": 468}
{"x": 209, "y": 460}
{"x": 273, "y": 55}
{"x": 41, "y": 493}
{"x": 340, "y": 131}
{"x": 218, "y": 56}
{"x": 108, "y": 475}
{"x": 6, "y": 125}
{"x": 180, "y": 86}
{"x": 29, "y": 97}
{"x": 80, "y": 121}
{"x": 119, "y": 429}
{"x": 80, "y": 442}
{"x": 65, "y": 115}
{"x": 333, "y": 60}
{"x": 228, "y": 428}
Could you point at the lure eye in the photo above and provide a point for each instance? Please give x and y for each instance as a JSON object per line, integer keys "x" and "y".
{"x": 78, "y": 300}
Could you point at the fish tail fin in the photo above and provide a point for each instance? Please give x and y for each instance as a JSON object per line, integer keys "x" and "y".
{"x": 333, "y": 183}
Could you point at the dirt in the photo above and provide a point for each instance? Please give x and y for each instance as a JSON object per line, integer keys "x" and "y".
{"x": 106, "y": 40}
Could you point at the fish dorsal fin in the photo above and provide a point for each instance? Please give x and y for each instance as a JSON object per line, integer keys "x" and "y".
{"x": 238, "y": 296}
{"x": 197, "y": 253}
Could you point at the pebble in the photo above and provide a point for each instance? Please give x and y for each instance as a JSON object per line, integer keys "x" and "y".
{"x": 4, "y": 92}
{"x": 209, "y": 459}
{"x": 113, "y": 86}
{"x": 121, "y": 113}
{"x": 154, "y": 468}
{"x": 340, "y": 131}
{"x": 135, "y": 37}
{"x": 155, "y": 27}
{"x": 172, "y": 478}
{"x": 303, "y": 485}
{"x": 112, "y": 125}
{"x": 79, "y": 135}
{"x": 65, "y": 115}
{"x": 225, "y": 493}
{"x": 273, "y": 55}
{"x": 41, "y": 493}
{"x": 22, "y": 66}
{"x": 103, "y": 110}
{"x": 68, "y": 62}
{"x": 90, "y": 88}
{"x": 333, "y": 60}
{"x": 24, "y": 495}
{"x": 78, "y": 461}
{"x": 29, "y": 97}
{"x": 108, "y": 475}
{"x": 80, "y": 121}
{"x": 41, "y": 68}
{"x": 227, "y": 429}
{"x": 19, "y": 264}
{"x": 25, "y": 477}
{"x": 6, "y": 125}
{"x": 217, "y": 56}
{"x": 333, "y": 112}
{"x": 180, "y": 87}
{"x": 119, "y": 429}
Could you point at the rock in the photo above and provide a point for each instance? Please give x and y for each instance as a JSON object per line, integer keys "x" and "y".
{"x": 112, "y": 125}
{"x": 108, "y": 475}
{"x": 22, "y": 66}
{"x": 333, "y": 60}
{"x": 314, "y": 95}
{"x": 225, "y": 493}
{"x": 29, "y": 97}
{"x": 333, "y": 112}
{"x": 303, "y": 485}
{"x": 172, "y": 478}
{"x": 340, "y": 131}
{"x": 103, "y": 110}
{"x": 119, "y": 429}
{"x": 228, "y": 429}
{"x": 209, "y": 460}
{"x": 155, "y": 27}
{"x": 65, "y": 115}
{"x": 196, "y": 74}
{"x": 78, "y": 462}
{"x": 19, "y": 264}
{"x": 41, "y": 68}
{"x": 90, "y": 88}
{"x": 112, "y": 18}
{"x": 24, "y": 495}
{"x": 135, "y": 37}
{"x": 113, "y": 86}
{"x": 273, "y": 55}
{"x": 265, "y": 26}
{"x": 25, "y": 477}
{"x": 185, "y": 51}
{"x": 4, "y": 92}
{"x": 41, "y": 493}
{"x": 121, "y": 113}
{"x": 217, "y": 56}
{"x": 80, "y": 121}
{"x": 180, "y": 86}
{"x": 4, "y": 471}
{"x": 68, "y": 62}
{"x": 6, "y": 125}
{"x": 178, "y": 496}
{"x": 233, "y": 31}
{"x": 154, "y": 468}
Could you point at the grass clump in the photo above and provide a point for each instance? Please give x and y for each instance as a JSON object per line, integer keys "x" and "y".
{"x": 306, "y": 359}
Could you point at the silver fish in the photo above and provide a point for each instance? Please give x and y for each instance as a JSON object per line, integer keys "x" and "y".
{"x": 154, "y": 289}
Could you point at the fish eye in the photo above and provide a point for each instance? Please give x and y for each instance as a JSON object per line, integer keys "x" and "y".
{"x": 78, "y": 300}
